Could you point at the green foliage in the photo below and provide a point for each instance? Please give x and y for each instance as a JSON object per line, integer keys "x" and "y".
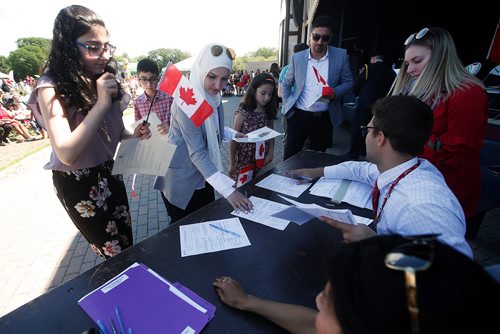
{"x": 163, "y": 56}
{"x": 42, "y": 43}
{"x": 265, "y": 53}
{"x": 262, "y": 54}
{"x": 5, "y": 66}
{"x": 29, "y": 57}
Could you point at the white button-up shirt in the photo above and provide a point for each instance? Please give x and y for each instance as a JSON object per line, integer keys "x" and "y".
{"x": 310, "y": 89}
{"x": 421, "y": 203}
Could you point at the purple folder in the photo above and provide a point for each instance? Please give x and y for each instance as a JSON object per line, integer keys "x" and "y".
{"x": 148, "y": 304}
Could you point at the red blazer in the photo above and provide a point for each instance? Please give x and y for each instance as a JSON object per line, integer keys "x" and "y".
{"x": 453, "y": 147}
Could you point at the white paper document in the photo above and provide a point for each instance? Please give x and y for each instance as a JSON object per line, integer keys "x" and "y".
{"x": 212, "y": 236}
{"x": 149, "y": 156}
{"x": 296, "y": 214}
{"x": 258, "y": 135}
{"x": 357, "y": 194}
{"x": 263, "y": 210}
{"x": 284, "y": 185}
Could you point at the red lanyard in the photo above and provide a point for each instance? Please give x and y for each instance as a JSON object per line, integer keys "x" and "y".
{"x": 376, "y": 192}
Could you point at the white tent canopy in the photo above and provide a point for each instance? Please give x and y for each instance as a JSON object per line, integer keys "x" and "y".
{"x": 4, "y": 76}
{"x": 186, "y": 64}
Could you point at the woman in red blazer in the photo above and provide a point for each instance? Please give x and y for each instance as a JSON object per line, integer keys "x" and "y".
{"x": 433, "y": 72}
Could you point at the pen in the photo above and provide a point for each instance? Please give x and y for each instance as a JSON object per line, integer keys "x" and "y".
{"x": 301, "y": 177}
{"x": 224, "y": 230}
{"x": 112, "y": 326}
{"x": 120, "y": 322}
{"x": 102, "y": 329}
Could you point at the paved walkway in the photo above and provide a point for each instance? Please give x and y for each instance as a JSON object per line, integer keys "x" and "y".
{"x": 40, "y": 248}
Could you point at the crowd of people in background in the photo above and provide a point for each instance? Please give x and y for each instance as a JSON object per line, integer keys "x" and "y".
{"x": 17, "y": 123}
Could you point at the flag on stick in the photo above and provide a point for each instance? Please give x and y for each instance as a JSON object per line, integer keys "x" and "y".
{"x": 494, "y": 51}
{"x": 190, "y": 101}
{"x": 245, "y": 176}
{"x": 260, "y": 150}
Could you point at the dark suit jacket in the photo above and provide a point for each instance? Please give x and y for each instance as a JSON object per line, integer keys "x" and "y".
{"x": 377, "y": 85}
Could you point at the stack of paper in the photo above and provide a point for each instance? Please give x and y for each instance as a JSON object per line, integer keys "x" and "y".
{"x": 353, "y": 192}
{"x": 147, "y": 303}
{"x": 283, "y": 184}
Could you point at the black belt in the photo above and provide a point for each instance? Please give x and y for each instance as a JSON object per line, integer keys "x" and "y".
{"x": 313, "y": 113}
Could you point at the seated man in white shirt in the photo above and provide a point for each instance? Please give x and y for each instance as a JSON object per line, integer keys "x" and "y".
{"x": 413, "y": 196}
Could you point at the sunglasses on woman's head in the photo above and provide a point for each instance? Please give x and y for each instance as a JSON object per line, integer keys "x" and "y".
{"x": 217, "y": 50}
{"x": 416, "y": 255}
{"x": 417, "y": 35}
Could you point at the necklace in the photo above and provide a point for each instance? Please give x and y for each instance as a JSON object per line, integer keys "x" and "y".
{"x": 104, "y": 129}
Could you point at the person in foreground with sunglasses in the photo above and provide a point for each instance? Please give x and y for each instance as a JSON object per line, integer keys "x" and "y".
{"x": 196, "y": 167}
{"x": 433, "y": 72}
{"x": 410, "y": 196}
{"x": 81, "y": 105}
{"x": 310, "y": 110}
{"x": 366, "y": 292}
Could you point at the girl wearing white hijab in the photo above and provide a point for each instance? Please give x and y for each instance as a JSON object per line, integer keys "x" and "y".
{"x": 196, "y": 168}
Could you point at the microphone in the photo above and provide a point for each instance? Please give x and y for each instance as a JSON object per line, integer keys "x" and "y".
{"x": 112, "y": 67}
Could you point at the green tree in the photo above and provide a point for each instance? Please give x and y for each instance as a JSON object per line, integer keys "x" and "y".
{"x": 5, "y": 66}
{"x": 29, "y": 57}
{"x": 265, "y": 53}
{"x": 163, "y": 56}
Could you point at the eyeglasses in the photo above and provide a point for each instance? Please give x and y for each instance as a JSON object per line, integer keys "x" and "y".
{"x": 96, "y": 51}
{"x": 218, "y": 49}
{"x": 317, "y": 37}
{"x": 151, "y": 80}
{"x": 417, "y": 35}
{"x": 416, "y": 255}
{"x": 364, "y": 130}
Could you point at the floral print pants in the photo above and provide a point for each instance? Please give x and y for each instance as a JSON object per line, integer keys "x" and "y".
{"x": 97, "y": 203}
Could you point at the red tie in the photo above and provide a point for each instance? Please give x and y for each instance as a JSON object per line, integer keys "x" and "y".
{"x": 375, "y": 197}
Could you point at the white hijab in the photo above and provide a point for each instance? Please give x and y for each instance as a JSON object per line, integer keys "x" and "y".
{"x": 205, "y": 62}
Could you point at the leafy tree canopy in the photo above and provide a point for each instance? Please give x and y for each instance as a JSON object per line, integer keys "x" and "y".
{"x": 261, "y": 54}
{"x": 29, "y": 57}
{"x": 5, "y": 66}
{"x": 265, "y": 53}
{"x": 163, "y": 56}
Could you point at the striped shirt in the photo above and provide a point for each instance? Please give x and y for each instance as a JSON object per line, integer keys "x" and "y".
{"x": 421, "y": 203}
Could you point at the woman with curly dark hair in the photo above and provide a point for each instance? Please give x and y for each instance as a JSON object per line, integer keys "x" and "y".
{"x": 80, "y": 103}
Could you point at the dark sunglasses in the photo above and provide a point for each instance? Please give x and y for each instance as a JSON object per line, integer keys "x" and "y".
{"x": 416, "y": 255}
{"x": 317, "y": 37}
{"x": 417, "y": 35}
{"x": 217, "y": 50}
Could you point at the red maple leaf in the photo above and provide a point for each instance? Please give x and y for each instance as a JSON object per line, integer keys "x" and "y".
{"x": 261, "y": 149}
{"x": 186, "y": 94}
{"x": 243, "y": 179}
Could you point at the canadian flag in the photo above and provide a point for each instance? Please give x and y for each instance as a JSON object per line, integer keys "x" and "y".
{"x": 260, "y": 150}
{"x": 494, "y": 51}
{"x": 325, "y": 89}
{"x": 245, "y": 176}
{"x": 185, "y": 96}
